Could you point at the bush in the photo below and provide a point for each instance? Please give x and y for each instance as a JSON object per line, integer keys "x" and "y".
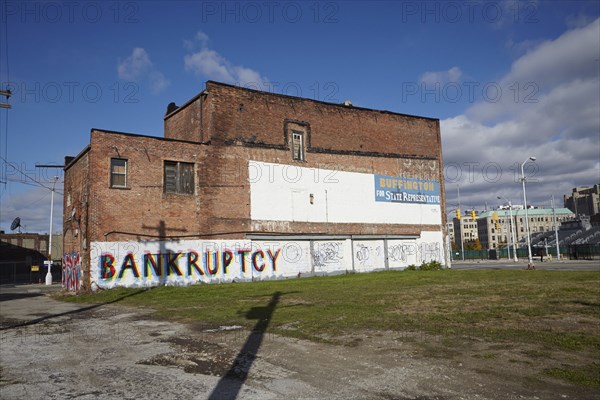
{"x": 430, "y": 266}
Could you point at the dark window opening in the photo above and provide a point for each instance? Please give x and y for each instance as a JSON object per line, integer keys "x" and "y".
{"x": 179, "y": 177}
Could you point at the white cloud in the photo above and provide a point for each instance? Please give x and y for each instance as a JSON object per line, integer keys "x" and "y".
{"x": 135, "y": 65}
{"x": 209, "y": 64}
{"x": 138, "y": 67}
{"x": 555, "y": 118}
{"x": 442, "y": 77}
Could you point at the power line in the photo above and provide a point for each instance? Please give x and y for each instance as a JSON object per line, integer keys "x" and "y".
{"x": 61, "y": 192}
{"x": 24, "y": 174}
{"x": 6, "y": 93}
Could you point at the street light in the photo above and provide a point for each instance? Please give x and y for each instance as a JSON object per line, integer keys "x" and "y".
{"x": 523, "y": 179}
{"x": 460, "y": 225}
{"x": 49, "y": 263}
{"x": 512, "y": 229}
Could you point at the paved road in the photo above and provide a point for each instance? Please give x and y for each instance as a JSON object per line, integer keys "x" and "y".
{"x": 566, "y": 265}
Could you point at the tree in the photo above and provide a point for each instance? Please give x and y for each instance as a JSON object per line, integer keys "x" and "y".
{"x": 473, "y": 245}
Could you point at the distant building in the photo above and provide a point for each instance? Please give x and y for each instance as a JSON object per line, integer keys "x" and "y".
{"x": 20, "y": 251}
{"x": 450, "y": 228}
{"x": 584, "y": 200}
{"x": 540, "y": 220}
{"x": 465, "y": 228}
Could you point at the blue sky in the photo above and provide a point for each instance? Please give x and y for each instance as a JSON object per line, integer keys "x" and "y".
{"x": 507, "y": 79}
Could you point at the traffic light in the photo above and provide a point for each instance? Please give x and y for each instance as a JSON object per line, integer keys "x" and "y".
{"x": 473, "y": 216}
{"x": 497, "y": 224}
{"x": 457, "y": 214}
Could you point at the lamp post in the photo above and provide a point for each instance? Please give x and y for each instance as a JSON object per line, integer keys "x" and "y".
{"x": 523, "y": 179}
{"x": 512, "y": 229}
{"x": 49, "y": 263}
{"x": 460, "y": 224}
{"x": 555, "y": 230}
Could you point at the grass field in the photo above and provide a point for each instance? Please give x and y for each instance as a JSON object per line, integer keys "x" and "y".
{"x": 543, "y": 313}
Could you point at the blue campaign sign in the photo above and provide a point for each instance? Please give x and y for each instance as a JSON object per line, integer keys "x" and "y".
{"x": 394, "y": 189}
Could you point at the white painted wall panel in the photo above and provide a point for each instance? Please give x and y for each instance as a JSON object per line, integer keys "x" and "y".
{"x": 294, "y": 258}
{"x": 332, "y": 256}
{"x": 402, "y": 253}
{"x": 369, "y": 255}
{"x": 281, "y": 192}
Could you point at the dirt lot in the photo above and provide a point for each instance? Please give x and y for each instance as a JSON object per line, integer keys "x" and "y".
{"x": 55, "y": 350}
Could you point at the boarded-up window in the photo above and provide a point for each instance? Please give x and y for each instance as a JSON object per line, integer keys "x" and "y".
{"x": 298, "y": 146}
{"x": 179, "y": 177}
{"x": 118, "y": 173}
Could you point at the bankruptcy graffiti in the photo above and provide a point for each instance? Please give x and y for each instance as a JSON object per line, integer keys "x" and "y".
{"x": 406, "y": 190}
{"x": 177, "y": 263}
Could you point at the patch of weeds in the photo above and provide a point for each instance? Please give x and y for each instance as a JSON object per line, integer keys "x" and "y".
{"x": 430, "y": 266}
{"x": 587, "y": 375}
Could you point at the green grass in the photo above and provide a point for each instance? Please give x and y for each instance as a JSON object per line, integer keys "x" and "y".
{"x": 558, "y": 309}
{"x": 587, "y": 375}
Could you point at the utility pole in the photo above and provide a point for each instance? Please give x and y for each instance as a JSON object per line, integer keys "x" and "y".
{"x": 460, "y": 225}
{"x": 49, "y": 274}
{"x": 49, "y": 262}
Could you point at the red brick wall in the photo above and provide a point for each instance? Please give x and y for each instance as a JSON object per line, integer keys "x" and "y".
{"x": 143, "y": 206}
{"x": 185, "y": 122}
{"x": 258, "y": 117}
{"x": 76, "y": 235}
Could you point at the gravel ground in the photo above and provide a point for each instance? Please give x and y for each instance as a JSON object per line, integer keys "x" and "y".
{"x": 54, "y": 350}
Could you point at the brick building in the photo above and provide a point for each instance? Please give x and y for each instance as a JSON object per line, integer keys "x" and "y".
{"x": 254, "y": 185}
{"x": 465, "y": 229}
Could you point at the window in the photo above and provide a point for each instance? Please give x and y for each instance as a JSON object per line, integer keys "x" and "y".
{"x": 297, "y": 146}
{"x": 118, "y": 173}
{"x": 179, "y": 177}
